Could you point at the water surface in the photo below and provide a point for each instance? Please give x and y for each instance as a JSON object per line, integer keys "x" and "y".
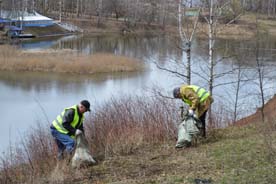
{"x": 27, "y": 98}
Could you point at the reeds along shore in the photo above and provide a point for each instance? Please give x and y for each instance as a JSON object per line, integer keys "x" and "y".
{"x": 65, "y": 61}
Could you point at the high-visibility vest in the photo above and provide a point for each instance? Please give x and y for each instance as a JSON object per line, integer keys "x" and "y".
{"x": 57, "y": 123}
{"x": 201, "y": 92}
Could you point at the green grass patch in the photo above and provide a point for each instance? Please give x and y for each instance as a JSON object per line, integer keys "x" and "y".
{"x": 243, "y": 159}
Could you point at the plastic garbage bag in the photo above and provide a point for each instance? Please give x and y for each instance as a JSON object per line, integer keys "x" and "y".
{"x": 82, "y": 155}
{"x": 187, "y": 130}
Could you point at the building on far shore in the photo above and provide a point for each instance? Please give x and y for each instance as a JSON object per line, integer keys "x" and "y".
{"x": 25, "y": 19}
{"x": 3, "y": 22}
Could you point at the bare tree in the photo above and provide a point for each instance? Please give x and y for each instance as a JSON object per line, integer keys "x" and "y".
{"x": 237, "y": 94}
{"x": 163, "y": 13}
{"x": 60, "y": 9}
{"x": 99, "y": 12}
{"x": 260, "y": 71}
{"x": 215, "y": 10}
{"x": 186, "y": 36}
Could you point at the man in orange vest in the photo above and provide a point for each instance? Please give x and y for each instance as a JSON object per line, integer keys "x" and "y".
{"x": 198, "y": 99}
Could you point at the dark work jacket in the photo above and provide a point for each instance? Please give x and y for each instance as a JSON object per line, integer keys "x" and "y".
{"x": 67, "y": 120}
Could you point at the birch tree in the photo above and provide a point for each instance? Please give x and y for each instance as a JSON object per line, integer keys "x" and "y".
{"x": 186, "y": 37}
{"x": 215, "y": 10}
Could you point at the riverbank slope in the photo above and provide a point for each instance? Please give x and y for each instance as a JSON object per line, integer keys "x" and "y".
{"x": 133, "y": 142}
{"x": 269, "y": 113}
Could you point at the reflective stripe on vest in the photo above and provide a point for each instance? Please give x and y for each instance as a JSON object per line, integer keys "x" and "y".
{"x": 57, "y": 123}
{"x": 201, "y": 92}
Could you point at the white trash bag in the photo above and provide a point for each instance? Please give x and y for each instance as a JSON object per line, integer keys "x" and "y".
{"x": 82, "y": 155}
{"x": 187, "y": 130}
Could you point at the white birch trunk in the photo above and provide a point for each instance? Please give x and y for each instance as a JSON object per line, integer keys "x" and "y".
{"x": 60, "y": 9}
{"x": 211, "y": 47}
{"x": 184, "y": 43}
{"x": 211, "y": 55}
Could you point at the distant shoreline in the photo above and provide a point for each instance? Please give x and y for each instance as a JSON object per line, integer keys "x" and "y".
{"x": 244, "y": 28}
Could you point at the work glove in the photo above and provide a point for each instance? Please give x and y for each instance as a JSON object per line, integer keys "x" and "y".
{"x": 78, "y": 132}
{"x": 191, "y": 112}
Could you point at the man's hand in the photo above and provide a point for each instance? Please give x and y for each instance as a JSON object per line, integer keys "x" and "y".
{"x": 191, "y": 112}
{"x": 78, "y": 132}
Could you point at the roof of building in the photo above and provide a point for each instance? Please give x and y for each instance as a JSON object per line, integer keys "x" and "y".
{"x": 25, "y": 16}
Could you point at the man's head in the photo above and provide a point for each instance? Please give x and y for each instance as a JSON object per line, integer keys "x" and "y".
{"x": 176, "y": 92}
{"x": 84, "y": 106}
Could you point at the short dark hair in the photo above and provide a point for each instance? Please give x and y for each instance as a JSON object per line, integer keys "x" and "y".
{"x": 176, "y": 92}
{"x": 86, "y": 104}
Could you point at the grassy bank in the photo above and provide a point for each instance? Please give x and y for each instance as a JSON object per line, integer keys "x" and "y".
{"x": 65, "y": 61}
{"x": 230, "y": 156}
{"x": 133, "y": 139}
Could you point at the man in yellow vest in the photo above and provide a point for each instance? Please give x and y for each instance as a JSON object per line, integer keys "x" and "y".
{"x": 198, "y": 99}
{"x": 67, "y": 125}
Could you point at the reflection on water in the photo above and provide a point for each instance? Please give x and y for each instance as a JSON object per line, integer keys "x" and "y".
{"x": 40, "y": 81}
{"x": 137, "y": 47}
{"x": 21, "y": 91}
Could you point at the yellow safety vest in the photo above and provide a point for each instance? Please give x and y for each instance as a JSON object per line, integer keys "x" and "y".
{"x": 57, "y": 123}
{"x": 201, "y": 92}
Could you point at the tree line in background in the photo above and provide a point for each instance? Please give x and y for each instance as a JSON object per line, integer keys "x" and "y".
{"x": 161, "y": 12}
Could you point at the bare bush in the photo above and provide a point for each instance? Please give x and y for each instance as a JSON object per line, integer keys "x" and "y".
{"x": 31, "y": 157}
{"x": 121, "y": 126}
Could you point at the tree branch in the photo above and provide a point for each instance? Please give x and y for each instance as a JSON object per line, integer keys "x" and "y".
{"x": 168, "y": 70}
{"x": 232, "y": 82}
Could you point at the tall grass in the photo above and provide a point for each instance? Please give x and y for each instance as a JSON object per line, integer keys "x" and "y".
{"x": 118, "y": 127}
{"x": 65, "y": 61}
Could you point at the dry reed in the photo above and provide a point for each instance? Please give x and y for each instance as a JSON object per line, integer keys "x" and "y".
{"x": 65, "y": 61}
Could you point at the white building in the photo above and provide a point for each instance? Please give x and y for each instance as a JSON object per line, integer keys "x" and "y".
{"x": 27, "y": 19}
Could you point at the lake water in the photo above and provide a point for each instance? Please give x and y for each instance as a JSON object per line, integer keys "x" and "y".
{"x": 27, "y": 98}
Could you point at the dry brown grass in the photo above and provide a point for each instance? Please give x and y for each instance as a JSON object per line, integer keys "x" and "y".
{"x": 65, "y": 61}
